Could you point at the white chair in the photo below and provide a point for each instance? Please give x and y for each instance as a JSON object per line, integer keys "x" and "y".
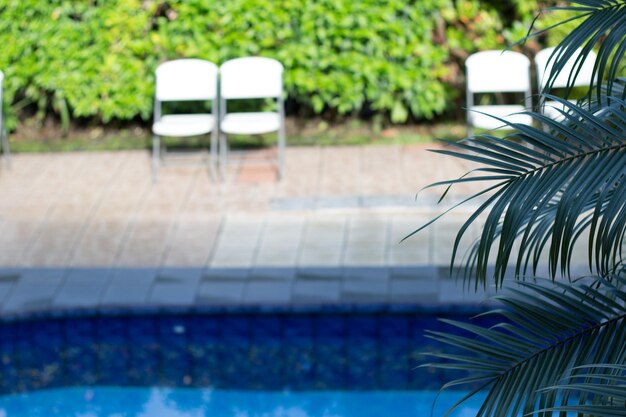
{"x": 497, "y": 72}
{"x": 3, "y": 132}
{"x": 185, "y": 80}
{"x": 251, "y": 78}
{"x": 544, "y": 65}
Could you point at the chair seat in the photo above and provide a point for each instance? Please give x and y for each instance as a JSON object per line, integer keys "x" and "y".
{"x": 507, "y": 112}
{"x": 182, "y": 125}
{"x": 250, "y": 123}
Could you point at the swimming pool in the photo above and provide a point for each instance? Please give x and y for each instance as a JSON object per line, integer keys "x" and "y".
{"x": 190, "y": 402}
{"x": 329, "y": 361}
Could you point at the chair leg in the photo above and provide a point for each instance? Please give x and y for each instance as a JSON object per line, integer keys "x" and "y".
{"x": 5, "y": 148}
{"x": 213, "y": 156}
{"x": 223, "y": 151}
{"x": 156, "y": 157}
{"x": 281, "y": 153}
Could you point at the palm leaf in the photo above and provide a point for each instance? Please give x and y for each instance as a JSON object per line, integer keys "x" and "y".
{"x": 603, "y": 25}
{"x": 548, "y": 187}
{"x": 549, "y": 332}
{"x": 604, "y": 389}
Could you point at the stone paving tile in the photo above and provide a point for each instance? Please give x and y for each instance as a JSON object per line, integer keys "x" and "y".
{"x": 319, "y": 273}
{"x": 82, "y": 287}
{"x": 237, "y": 242}
{"x": 98, "y": 249}
{"x": 49, "y": 248}
{"x": 233, "y": 256}
{"x": 323, "y": 241}
{"x": 336, "y": 219}
{"x": 146, "y": 244}
{"x": 293, "y": 204}
{"x": 376, "y": 256}
{"x": 273, "y": 273}
{"x": 280, "y": 241}
{"x": 220, "y": 292}
{"x": 414, "y": 250}
{"x": 226, "y": 274}
{"x": 366, "y": 273}
{"x": 257, "y": 174}
{"x": 444, "y": 235}
{"x": 316, "y": 291}
{"x": 268, "y": 256}
{"x": 35, "y": 290}
{"x": 192, "y": 242}
{"x": 364, "y": 290}
{"x": 413, "y": 289}
{"x": 129, "y": 286}
{"x": 452, "y": 291}
{"x": 337, "y": 202}
{"x": 8, "y": 279}
{"x": 406, "y": 255}
{"x": 319, "y": 256}
{"x": 11, "y": 257}
{"x": 267, "y": 292}
{"x": 428, "y": 272}
{"x": 325, "y": 230}
{"x": 176, "y": 286}
{"x": 15, "y": 237}
{"x": 242, "y": 227}
{"x": 368, "y": 230}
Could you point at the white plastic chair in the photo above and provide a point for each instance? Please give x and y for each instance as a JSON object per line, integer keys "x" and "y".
{"x": 251, "y": 78}
{"x": 3, "y": 132}
{"x": 544, "y": 68}
{"x": 497, "y": 72}
{"x": 185, "y": 80}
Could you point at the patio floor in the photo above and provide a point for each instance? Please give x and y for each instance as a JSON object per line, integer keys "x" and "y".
{"x": 91, "y": 229}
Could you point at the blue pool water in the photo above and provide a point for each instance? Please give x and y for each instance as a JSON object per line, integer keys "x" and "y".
{"x": 329, "y": 362}
{"x": 370, "y": 350}
{"x": 187, "y": 402}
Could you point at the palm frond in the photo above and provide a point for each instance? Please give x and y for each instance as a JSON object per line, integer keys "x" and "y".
{"x": 547, "y": 335}
{"x": 597, "y": 103}
{"x": 603, "y": 25}
{"x": 548, "y": 187}
{"x": 601, "y": 387}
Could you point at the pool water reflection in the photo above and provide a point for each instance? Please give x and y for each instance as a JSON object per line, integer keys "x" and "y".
{"x": 192, "y": 402}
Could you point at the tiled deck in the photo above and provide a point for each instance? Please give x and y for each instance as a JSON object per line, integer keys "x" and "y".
{"x": 90, "y": 229}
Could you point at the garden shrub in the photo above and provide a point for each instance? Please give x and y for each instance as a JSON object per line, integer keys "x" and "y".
{"x": 78, "y": 59}
{"x": 96, "y": 59}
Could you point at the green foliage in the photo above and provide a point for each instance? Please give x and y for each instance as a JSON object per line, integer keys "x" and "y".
{"x": 96, "y": 59}
{"x": 88, "y": 59}
{"x": 340, "y": 56}
{"x": 77, "y": 60}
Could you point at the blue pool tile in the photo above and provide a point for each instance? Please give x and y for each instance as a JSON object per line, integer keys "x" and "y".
{"x": 333, "y": 326}
{"x": 326, "y": 349}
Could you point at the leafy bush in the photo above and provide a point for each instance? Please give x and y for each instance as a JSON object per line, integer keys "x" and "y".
{"x": 76, "y": 59}
{"x": 95, "y": 59}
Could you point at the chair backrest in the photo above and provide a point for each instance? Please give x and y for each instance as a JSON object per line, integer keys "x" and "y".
{"x": 497, "y": 71}
{"x": 186, "y": 79}
{"x": 251, "y": 77}
{"x": 545, "y": 64}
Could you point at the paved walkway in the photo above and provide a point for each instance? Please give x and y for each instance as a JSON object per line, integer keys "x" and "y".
{"x": 90, "y": 229}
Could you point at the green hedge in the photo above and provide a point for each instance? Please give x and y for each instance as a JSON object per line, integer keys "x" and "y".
{"x": 96, "y": 59}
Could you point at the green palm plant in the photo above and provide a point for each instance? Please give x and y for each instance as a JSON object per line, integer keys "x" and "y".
{"x": 561, "y": 344}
